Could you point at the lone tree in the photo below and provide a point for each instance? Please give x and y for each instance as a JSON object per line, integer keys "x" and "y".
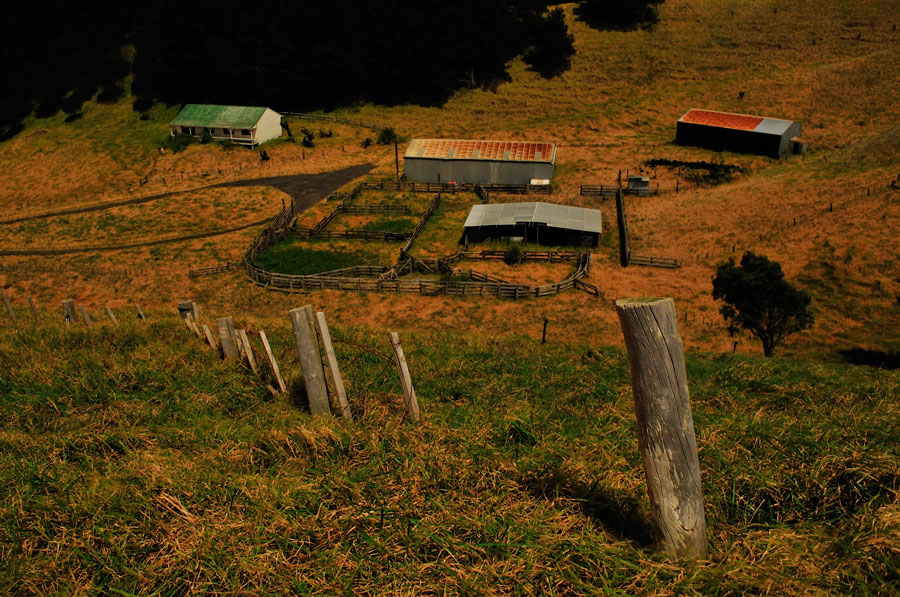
{"x": 757, "y": 298}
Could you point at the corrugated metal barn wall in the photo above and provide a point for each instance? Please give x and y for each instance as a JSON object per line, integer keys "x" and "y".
{"x": 475, "y": 171}
{"x": 724, "y": 139}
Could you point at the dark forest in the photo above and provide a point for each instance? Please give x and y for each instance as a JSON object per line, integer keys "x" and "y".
{"x": 291, "y": 56}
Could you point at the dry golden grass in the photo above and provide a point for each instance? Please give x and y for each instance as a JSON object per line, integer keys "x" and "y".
{"x": 833, "y": 66}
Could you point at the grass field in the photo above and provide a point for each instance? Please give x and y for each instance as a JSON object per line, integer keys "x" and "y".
{"x": 132, "y": 461}
{"x": 135, "y": 461}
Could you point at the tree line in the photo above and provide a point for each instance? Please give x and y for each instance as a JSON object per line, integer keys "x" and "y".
{"x": 295, "y": 56}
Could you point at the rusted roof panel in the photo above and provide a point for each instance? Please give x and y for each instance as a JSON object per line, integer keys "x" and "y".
{"x": 742, "y": 122}
{"x": 462, "y": 149}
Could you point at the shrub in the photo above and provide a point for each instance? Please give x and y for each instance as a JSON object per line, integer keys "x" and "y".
{"x": 552, "y": 46}
{"x": 514, "y": 255}
{"x": 366, "y": 142}
{"x": 178, "y": 142}
{"x": 387, "y": 136}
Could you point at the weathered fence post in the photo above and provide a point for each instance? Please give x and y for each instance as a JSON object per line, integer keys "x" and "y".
{"x": 209, "y": 337}
{"x": 9, "y": 307}
{"x": 140, "y": 313}
{"x": 272, "y": 361}
{"x": 227, "y": 338}
{"x": 333, "y": 368}
{"x": 248, "y": 351}
{"x": 665, "y": 426}
{"x": 84, "y": 315}
{"x": 624, "y": 252}
{"x": 110, "y": 314}
{"x": 69, "y": 310}
{"x": 34, "y": 311}
{"x": 409, "y": 393}
{"x": 310, "y": 360}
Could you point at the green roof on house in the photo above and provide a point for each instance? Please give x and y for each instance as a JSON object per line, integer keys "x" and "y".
{"x": 211, "y": 115}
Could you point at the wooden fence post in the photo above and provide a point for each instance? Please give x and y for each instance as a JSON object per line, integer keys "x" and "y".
{"x": 227, "y": 338}
{"x": 34, "y": 311}
{"x": 333, "y": 368}
{"x": 69, "y": 310}
{"x": 272, "y": 362}
{"x": 248, "y": 351}
{"x": 310, "y": 360}
{"x": 84, "y": 315}
{"x": 140, "y": 313}
{"x": 9, "y": 307}
{"x": 111, "y": 316}
{"x": 624, "y": 252}
{"x": 665, "y": 426}
{"x": 409, "y": 393}
{"x": 209, "y": 338}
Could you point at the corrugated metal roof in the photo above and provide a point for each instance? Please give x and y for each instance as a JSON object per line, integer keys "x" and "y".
{"x": 461, "y": 149}
{"x": 212, "y": 115}
{"x": 741, "y": 122}
{"x": 551, "y": 214}
{"x": 726, "y": 120}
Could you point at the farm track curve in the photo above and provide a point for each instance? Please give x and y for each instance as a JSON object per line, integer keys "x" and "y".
{"x": 304, "y": 189}
{"x": 299, "y": 186}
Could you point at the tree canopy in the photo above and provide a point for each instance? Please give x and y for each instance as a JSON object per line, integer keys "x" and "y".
{"x": 618, "y": 14}
{"x": 294, "y": 56}
{"x": 756, "y": 297}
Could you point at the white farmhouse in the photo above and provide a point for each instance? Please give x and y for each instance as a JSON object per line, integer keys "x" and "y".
{"x": 239, "y": 124}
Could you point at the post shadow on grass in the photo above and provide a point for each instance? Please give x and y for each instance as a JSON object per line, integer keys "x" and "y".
{"x": 297, "y": 395}
{"x": 616, "y": 511}
{"x": 878, "y": 359}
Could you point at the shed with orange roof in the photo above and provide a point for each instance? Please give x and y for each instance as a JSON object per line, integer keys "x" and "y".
{"x": 741, "y": 133}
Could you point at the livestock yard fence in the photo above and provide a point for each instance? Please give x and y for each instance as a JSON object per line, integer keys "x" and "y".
{"x": 366, "y": 278}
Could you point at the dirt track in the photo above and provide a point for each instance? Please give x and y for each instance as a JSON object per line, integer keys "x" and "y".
{"x": 304, "y": 189}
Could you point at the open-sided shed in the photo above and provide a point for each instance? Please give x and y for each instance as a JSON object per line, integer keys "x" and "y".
{"x": 478, "y": 162}
{"x": 742, "y": 133}
{"x": 544, "y": 223}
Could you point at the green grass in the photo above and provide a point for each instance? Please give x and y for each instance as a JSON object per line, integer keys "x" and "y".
{"x": 303, "y": 257}
{"x": 132, "y": 460}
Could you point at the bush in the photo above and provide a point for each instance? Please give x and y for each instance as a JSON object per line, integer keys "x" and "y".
{"x": 326, "y": 134}
{"x": 387, "y": 136}
{"x": 366, "y": 142}
{"x": 514, "y": 255}
{"x": 307, "y": 140}
{"x": 178, "y": 142}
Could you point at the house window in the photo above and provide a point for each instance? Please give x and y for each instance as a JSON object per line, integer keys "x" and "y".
{"x": 245, "y": 132}
{"x": 226, "y": 131}
{"x": 187, "y": 130}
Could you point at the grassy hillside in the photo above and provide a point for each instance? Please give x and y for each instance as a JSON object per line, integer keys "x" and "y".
{"x": 134, "y": 461}
{"x": 829, "y": 218}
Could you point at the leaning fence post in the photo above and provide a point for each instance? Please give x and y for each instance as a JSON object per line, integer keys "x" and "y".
{"x": 34, "y": 311}
{"x": 409, "y": 393}
{"x": 272, "y": 362}
{"x": 84, "y": 315}
{"x": 227, "y": 338}
{"x": 140, "y": 313}
{"x": 209, "y": 338}
{"x": 69, "y": 310}
{"x": 310, "y": 361}
{"x": 248, "y": 351}
{"x": 9, "y": 308}
{"x": 331, "y": 358}
{"x": 665, "y": 426}
{"x": 111, "y": 316}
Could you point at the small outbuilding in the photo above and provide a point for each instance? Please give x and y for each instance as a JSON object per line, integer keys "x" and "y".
{"x": 742, "y": 133}
{"x": 479, "y": 162}
{"x": 542, "y": 223}
{"x": 244, "y": 125}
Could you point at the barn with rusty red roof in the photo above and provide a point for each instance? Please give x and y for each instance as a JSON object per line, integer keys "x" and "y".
{"x": 741, "y": 133}
{"x": 479, "y": 162}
